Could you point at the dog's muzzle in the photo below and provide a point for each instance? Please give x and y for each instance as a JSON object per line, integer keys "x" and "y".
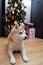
{"x": 26, "y": 38}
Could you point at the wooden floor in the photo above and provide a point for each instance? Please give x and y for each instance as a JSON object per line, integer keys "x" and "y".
{"x": 34, "y": 49}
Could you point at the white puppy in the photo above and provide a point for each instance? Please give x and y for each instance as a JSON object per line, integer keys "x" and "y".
{"x": 16, "y": 43}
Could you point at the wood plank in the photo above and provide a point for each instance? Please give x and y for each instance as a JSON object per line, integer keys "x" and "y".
{"x": 34, "y": 49}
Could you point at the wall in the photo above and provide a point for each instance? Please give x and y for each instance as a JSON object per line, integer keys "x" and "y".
{"x": 6, "y": 3}
{"x": 28, "y": 9}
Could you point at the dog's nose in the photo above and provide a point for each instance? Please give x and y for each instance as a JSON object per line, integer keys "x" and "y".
{"x": 26, "y": 37}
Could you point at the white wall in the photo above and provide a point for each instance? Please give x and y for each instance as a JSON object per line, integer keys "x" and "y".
{"x": 6, "y": 3}
{"x": 28, "y": 9}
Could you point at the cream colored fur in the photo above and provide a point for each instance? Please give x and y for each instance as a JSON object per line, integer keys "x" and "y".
{"x": 16, "y": 43}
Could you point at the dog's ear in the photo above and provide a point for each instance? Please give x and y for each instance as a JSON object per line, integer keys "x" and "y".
{"x": 16, "y": 25}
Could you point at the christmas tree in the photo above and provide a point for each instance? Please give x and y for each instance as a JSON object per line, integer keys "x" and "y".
{"x": 15, "y": 12}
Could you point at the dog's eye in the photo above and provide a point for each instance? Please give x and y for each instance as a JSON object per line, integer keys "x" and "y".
{"x": 20, "y": 33}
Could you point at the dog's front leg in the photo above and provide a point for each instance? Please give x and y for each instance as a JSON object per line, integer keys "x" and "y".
{"x": 12, "y": 59}
{"x": 25, "y": 58}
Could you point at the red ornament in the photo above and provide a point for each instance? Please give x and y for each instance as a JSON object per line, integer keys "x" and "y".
{"x": 12, "y": 18}
{"x": 17, "y": 14}
{"x": 24, "y": 6}
{"x": 24, "y": 12}
{"x": 7, "y": 13}
{"x": 19, "y": 2}
{"x": 7, "y": 21}
{"x": 6, "y": 30}
{"x": 22, "y": 19}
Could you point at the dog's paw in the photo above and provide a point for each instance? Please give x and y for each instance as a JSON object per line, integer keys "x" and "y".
{"x": 25, "y": 58}
{"x": 13, "y": 61}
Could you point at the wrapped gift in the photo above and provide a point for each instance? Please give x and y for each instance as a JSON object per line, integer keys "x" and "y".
{"x": 28, "y": 27}
{"x": 31, "y": 32}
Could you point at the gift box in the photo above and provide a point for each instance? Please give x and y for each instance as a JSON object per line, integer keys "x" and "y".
{"x": 29, "y": 30}
{"x": 31, "y": 33}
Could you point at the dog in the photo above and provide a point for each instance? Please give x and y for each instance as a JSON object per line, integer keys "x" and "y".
{"x": 16, "y": 43}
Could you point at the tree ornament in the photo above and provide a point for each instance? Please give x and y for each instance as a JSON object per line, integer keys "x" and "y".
{"x": 24, "y": 12}
{"x": 6, "y": 30}
{"x": 15, "y": 4}
{"x": 22, "y": 19}
{"x": 15, "y": 22}
{"x": 24, "y": 6}
{"x": 17, "y": 14}
{"x": 12, "y": 12}
{"x": 18, "y": 11}
{"x": 12, "y": 18}
{"x": 19, "y": 2}
{"x": 7, "y": 21}
{"x": 12, "y": 9}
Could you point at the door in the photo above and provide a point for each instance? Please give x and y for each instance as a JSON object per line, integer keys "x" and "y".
{"x": 37, "y": 16}
{"x": 3, "y": 18}
{"x": 0, "y": 15}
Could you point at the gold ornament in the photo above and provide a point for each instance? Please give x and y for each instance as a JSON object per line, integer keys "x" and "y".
{"x": 12, "y": 9}
{"x": 15, "y": 23}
